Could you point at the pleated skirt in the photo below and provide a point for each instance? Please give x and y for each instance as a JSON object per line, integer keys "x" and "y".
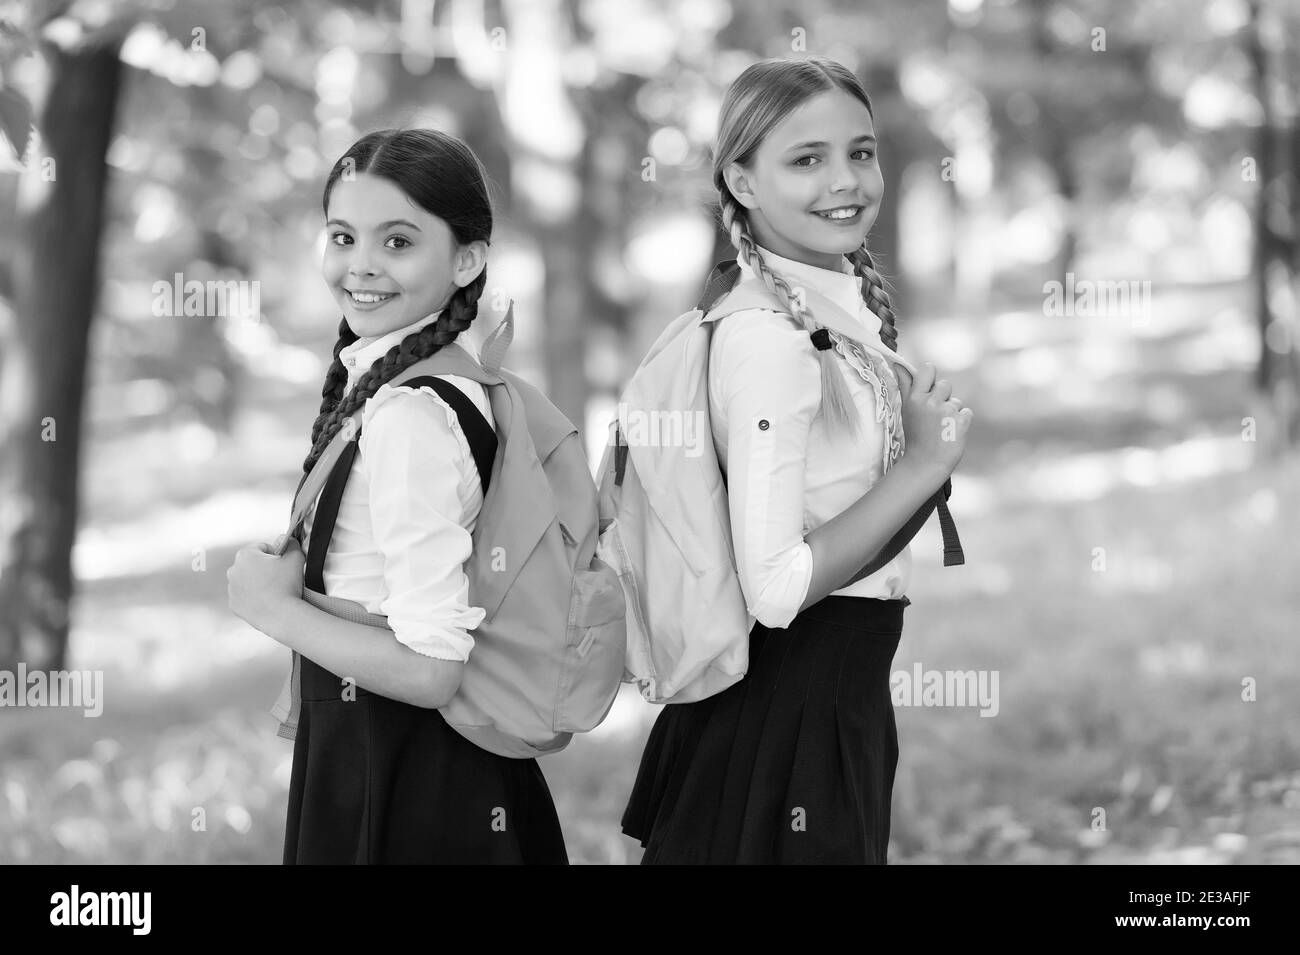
{"x": 794, "y": 764}
{"x": 375, "y": 780}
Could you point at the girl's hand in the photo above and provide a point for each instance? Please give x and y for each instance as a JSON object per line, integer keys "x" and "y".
{"x": 934, "y": 423}
{"x": 259, "y": 583}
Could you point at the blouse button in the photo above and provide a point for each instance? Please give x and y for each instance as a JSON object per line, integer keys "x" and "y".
{"x": 763, "y": 425}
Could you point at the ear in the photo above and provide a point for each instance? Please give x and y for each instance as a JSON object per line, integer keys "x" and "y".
{"x": 471, "y": 259}
{"x": 740, "y": 183}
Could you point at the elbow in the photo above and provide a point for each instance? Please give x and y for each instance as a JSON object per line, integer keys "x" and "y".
{"x": 774, "y": 618}
{"x": 775, "y": 610}
{"x": 437, "y": 682}
{"x": 777, "y": 599}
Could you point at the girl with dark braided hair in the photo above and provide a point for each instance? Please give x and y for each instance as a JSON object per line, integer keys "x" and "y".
{"x": 378, "y": 775}
{"x": 795, "y": 762}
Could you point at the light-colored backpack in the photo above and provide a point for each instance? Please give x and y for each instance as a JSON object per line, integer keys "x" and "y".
{"x": 665, "y": 521}
{"x": 548, "y": 658}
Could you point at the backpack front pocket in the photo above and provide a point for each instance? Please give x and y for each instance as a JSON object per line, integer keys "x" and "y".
{"x": 597, "y": 639}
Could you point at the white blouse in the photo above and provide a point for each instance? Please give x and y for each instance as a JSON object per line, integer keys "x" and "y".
{"x": 402, "y": 535}
{"x": 787, "y": 473}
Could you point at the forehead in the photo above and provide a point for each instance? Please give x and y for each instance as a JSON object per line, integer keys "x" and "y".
{"x": 831, "y": 116}
{"x": 373, "y": 199}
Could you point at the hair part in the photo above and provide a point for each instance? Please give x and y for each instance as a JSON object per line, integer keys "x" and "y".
{"x": 764, "y": 94}
{"x": 443, "y": 176}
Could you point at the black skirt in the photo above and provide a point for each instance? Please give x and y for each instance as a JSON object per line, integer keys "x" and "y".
{"x": 379, "y": 781}
{"x": 793, "y": 764}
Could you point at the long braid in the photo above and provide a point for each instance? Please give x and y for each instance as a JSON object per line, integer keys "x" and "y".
{"x": 336, "y": 380}
{"x": 875, "y": 295}
{"x": 837, "y": 404}
{"x": 461, "y": 310}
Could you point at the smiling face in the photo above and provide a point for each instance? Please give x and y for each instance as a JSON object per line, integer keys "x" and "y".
{"x": 812, "y": 188}
{"x": 380, "y": 242}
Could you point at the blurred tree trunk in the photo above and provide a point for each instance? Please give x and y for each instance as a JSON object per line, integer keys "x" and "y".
{"x": 1274, "y": 266}
{"x": 568, "y": 254}
{"x": 55, "y": 280}
{"x": 1056, "y": 145}
{"x": 892, "y": 130}
{"x": 210, "y": 377}
{"x": 566, "y": 231}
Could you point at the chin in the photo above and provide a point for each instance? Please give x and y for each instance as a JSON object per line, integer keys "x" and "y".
{"x": 845, "y": 245}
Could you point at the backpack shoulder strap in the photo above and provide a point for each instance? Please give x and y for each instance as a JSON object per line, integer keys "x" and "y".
{"x": 721, "y": 281}
{"x": 482, "y": 439}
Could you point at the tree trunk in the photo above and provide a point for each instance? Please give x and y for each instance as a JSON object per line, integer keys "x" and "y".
{"x": 1278, "y": 374}
{"x": 1056, "y": 146}
{"x": 567, "y": 250}
{"x": 55, "y": 282}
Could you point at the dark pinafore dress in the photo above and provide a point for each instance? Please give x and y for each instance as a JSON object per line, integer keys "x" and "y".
{"x": 376, "y": 780}
{"x": 794, "y": 763}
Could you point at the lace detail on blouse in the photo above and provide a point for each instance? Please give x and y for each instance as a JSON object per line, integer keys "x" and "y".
{"x": 889, "y": 398}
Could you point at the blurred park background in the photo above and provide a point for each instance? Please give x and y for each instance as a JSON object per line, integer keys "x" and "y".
{"x": 1090, "y": 228}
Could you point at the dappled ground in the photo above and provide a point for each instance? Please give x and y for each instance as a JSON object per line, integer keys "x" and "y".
{"x": 1120, "y": 689}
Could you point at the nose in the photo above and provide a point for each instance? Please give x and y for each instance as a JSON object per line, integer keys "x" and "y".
{"x": 359, "y": 262}
{"x": 842, "y": 177}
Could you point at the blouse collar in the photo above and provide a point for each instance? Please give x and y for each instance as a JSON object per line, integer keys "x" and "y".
{"x": 842, "y": 286}
{"x": 361, "y": 354}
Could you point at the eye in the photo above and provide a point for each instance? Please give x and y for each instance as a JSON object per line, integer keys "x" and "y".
{"x": 400, "y": 238}
{"x": 867, "y": 154}
{"x": 800, "y": 161}
{"x": 335, "y": 236}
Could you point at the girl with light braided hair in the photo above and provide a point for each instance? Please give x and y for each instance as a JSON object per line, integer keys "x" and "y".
{"x": 795, "y": 762}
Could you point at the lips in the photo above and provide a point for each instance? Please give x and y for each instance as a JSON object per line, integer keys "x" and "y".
{"x": 369, "y": 296}
{"x": 849, "y": 213}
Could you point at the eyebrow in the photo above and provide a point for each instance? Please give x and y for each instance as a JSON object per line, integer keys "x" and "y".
{"x": 818, "y": 144}
{"x": 381, "y": 226}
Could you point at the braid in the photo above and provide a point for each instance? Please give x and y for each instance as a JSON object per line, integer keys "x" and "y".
{"x": 336, "y": 379}
{"x": 837, "y": 404}
{"x": 461, "y": 310}
{"x": 874, "y": 294}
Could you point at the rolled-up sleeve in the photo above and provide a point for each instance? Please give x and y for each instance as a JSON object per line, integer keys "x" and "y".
{"x": 414, "y": 462}
{"x": 769, "y": 383}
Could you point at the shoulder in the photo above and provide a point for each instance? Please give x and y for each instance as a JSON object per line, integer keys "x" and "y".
{"x": 406, "y": 410}
{"x": 765, "y": 340}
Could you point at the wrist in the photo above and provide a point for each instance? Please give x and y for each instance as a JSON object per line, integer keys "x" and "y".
{"x": 282, "y": 619}
{"x": 929, "y": 474}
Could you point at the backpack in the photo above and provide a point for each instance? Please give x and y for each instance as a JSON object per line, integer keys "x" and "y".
{"x": 548, "y": 657}
{"x": 665, "y": 522}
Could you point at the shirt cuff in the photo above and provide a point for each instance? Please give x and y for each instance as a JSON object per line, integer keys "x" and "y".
{"x": 778, "y": 603}
{"x": 450, "y": 641}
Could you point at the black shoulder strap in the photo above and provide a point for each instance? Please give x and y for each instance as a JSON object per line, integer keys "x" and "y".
{"x": 482, "y": 439}
{"x": 952, "y": 552}
{"x": 482, "y": 444}
{"x": 721, "y": 280}
{"x": 327, "y": 511}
